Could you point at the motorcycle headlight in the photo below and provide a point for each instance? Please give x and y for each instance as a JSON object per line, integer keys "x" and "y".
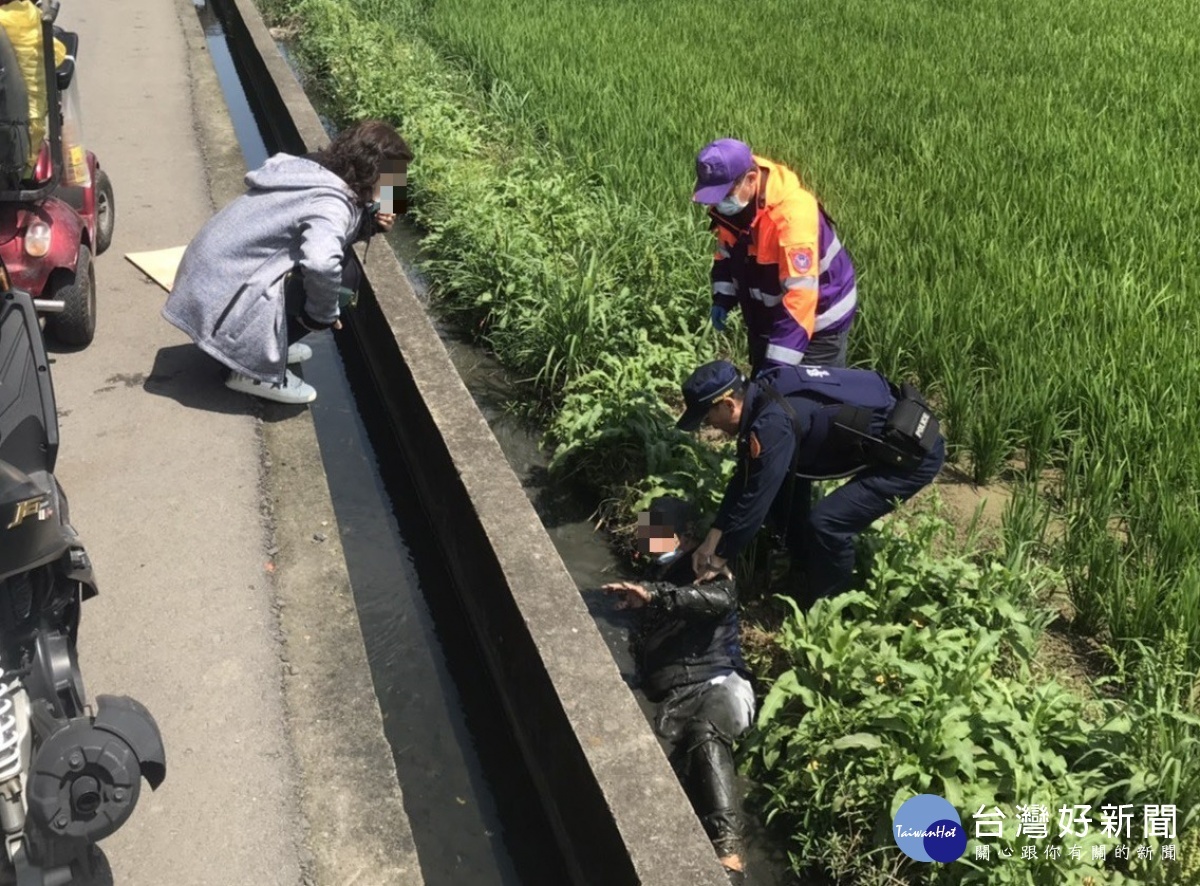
{"x": 37, "y": 239}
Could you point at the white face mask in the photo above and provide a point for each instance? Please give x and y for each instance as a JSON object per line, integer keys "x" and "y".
{"x": 669, "y": 557}
{"x": 731, "y": 205}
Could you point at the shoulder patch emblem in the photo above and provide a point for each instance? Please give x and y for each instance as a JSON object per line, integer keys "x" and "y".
{"x": 755, "y": 446}
{"x": 801, "y": 259}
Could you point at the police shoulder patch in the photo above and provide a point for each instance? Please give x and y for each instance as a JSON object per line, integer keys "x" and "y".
{"x": 801, "y": 259}
{"x": 754, "y": 445}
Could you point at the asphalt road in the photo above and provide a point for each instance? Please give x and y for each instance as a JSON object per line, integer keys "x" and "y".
{"x": 163, "y": 470}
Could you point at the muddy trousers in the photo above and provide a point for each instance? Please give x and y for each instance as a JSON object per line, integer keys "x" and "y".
{"x": 698, "y": 724}
{"x": 820, "y": 537}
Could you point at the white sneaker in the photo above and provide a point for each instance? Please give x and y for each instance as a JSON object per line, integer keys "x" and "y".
{"x": 298, "y": 352}
{"x": 294, "y": 390}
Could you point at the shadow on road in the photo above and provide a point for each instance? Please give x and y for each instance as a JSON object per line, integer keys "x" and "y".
{"x": 193, "y": 379}
{"x": 96, "y": 871}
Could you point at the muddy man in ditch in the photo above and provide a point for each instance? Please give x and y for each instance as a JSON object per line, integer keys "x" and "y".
{"x": 689, "y": 661}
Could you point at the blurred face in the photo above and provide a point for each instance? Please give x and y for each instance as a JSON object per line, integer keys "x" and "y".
{"x": 392, "y": 189}
{"x": 654, "y": 539}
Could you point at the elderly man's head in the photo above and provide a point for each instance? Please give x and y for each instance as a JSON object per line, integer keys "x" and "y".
{"x": 665, "y": 526}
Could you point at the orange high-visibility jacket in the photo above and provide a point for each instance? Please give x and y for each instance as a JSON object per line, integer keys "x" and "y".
{"x": 787, "y": 270}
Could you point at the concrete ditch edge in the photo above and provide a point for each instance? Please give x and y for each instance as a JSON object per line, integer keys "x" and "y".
{"x": 350, "y": 798}
{"x": 616, "y": 805}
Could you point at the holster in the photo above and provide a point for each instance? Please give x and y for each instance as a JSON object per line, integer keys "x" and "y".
{"x": 910, "y": 433}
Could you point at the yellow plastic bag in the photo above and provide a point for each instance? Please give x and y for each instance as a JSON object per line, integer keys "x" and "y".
{"x": 22, "y": 21}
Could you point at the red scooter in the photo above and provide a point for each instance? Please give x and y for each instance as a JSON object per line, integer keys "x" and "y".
{"x": 56, "y": 217}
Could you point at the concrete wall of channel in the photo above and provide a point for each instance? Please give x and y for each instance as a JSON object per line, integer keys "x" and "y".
{"x": 617, "y": 807}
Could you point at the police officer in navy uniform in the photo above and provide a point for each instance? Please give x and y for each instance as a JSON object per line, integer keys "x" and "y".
{"x": 794, "y": 424}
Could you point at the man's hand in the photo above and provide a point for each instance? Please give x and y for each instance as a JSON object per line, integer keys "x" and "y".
{"x": 705, "y": 562}
{"x": 714, "y": 568}
{"x": 705, "y": 552}
{"x": 633, "y": 596}
{"x": 384, "y": 221}
{"x": 718, "y": 316}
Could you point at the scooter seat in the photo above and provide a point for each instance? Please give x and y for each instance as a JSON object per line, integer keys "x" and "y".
{"x": 65, "y": 71}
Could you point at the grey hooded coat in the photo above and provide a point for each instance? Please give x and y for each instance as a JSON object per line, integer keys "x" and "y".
{"x": 228, "y": 291}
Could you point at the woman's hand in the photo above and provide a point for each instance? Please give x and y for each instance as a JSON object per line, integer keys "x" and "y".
{"x": 313, "y": 326}
{"x": 384, "y": 221}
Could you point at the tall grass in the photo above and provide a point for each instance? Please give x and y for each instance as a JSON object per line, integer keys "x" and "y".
{"x": 1005, "y": 260}
{"x": 1018, "y": 184}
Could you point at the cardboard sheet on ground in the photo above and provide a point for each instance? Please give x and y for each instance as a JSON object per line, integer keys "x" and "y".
{"x": 159, "y": 265}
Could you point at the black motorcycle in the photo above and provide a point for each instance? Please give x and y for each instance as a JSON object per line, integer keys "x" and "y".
{"x": 70, "y": 771}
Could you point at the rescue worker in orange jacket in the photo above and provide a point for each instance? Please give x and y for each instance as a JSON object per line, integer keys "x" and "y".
{"x": 778, "y": 257}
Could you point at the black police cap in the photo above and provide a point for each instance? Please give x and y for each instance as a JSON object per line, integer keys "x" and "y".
{"x": 703, "y": 388}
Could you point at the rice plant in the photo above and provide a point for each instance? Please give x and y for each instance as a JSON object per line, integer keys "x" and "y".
{"x": 1017, "y": 183}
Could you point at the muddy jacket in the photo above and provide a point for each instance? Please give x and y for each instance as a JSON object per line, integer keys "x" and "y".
{"x": 768, "y": 438}
{"x": 688, "y": 633}
{"x": 228, "y": 292}
{"x": 782, "y": 262}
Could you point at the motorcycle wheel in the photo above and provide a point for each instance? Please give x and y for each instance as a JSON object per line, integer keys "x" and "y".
{"x": 91, "y": 868}
{"x": 106, "y": 211}
{"x": 76, "y": 325}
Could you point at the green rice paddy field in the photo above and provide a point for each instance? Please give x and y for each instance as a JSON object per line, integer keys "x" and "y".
{"x": 1019, "y": 184}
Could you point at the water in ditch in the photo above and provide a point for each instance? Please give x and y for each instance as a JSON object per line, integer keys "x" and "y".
{"x": 586, "y": 552}
{"x": 472, "y": 811}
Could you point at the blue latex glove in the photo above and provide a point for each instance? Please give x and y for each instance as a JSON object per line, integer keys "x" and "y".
{"x": 718, "y": 315}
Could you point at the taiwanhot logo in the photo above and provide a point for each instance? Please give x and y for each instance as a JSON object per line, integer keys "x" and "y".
{"x": 927, "y": 828}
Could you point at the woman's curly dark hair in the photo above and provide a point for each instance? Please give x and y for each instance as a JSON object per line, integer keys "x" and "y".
{"x": 364, "y": 151}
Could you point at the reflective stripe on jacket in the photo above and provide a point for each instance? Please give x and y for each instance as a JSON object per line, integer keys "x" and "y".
{"x": 787, "y": 269}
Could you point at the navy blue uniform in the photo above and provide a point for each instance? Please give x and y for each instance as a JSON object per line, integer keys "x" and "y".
{"x": 819, "y": 538}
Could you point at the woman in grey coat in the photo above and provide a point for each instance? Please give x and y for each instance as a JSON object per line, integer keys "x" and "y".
{"x": 268, "y": 268}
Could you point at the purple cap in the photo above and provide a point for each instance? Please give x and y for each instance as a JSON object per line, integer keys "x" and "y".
{"x": 718, "y": 165}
